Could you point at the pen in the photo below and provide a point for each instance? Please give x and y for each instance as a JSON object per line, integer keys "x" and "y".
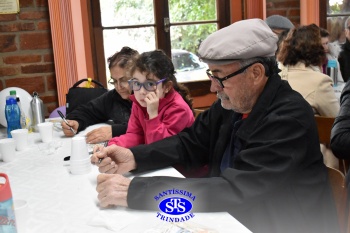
{"x": 64, "y": 119}
{"x": 104, "y": 144}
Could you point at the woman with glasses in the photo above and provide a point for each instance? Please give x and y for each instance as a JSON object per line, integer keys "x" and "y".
{"x": 161, "y": 106}
{"x": 113, "y": 107}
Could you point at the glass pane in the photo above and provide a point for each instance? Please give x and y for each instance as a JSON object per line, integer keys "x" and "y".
{"x": 335, "y": 27}
{"x": 141, "y": 39}
{"x": 338, "y": 7}
{"x": 185, "y": 41}
{"x": 194, "y": 10}
{"x": 126, "y": 12}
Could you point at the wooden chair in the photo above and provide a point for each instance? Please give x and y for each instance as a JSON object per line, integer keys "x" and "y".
{"x": 324, "y": 127}
{"x": 337, "y": 181}
{"x": 197, "y": 111}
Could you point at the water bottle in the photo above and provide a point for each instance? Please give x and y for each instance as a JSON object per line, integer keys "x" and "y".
{"x": 332, "y": 71}
{"x": 23, "y": 118}
{"x": 12, "y": 115}
{"x": 37, "y": 107}
{"x": 7, "y": 214}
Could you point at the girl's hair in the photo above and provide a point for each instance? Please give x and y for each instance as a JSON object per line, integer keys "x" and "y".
{"x": 159, "y": 64}
{"x": 302, "y": 44}
{"x": 122, "y": 57}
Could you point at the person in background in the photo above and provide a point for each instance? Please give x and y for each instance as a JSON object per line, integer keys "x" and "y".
{"x": 332, "y": 51}
{"x": 113, "y": 107}
{"x": 344, "y": 55}
{"x": 260, "y": 140}
{"x": 279, "y": 23}
{"x": 301, "y": 56}
{"x": 161, "y": 106}
{"x": 340, "y": 135}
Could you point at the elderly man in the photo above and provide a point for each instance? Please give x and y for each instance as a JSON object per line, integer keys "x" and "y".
{"x": 259, "y": 140}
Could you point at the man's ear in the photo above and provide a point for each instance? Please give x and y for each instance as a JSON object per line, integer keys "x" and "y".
{"x": 258, "y": 71}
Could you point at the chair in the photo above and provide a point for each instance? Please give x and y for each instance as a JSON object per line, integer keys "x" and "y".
{"x": 324, "y": 127}
{"x": 55, "y": 114}
{"x": 337, "y": 181}
{"x": 197, "y": 111}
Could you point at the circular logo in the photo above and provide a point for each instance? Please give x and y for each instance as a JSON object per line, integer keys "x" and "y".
{"x": 175, "y": 205}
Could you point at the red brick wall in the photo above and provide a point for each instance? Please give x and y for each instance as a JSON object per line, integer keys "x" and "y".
{"x": 26, "y": 55}
{"x": 287, "y": 8}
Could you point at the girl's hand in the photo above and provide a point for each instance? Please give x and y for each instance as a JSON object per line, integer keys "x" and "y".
{"x": 152, "y": 101}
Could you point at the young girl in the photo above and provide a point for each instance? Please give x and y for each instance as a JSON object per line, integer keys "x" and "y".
{"x": 161, "y": 107}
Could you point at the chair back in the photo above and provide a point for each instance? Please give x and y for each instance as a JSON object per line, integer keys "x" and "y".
{"x": 324, "y": 127}
{"x": 337, "y": 181}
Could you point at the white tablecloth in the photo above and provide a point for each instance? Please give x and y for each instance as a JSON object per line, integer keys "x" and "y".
{"x": 61, "y": 202}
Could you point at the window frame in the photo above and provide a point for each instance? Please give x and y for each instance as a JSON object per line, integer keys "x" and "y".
{"x": 162, "y": 38}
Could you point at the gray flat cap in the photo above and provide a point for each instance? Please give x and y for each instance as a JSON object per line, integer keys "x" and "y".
{"x": 279, "y": 22}
{"x": 241, "y": 40}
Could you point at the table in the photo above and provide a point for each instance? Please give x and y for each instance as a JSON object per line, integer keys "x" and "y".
{"x": 61, "y": 202}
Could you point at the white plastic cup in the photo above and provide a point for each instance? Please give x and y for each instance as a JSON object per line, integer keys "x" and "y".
{"x": 21, "y": 138}
{"x": 8, "y": 149}
{"x": 79, "y": 149}
{"x": 46, "y": 131}
{"x": 21, "y": 214}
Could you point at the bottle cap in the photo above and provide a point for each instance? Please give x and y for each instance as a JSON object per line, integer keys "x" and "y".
{"x": 332, "y": 63}
{"x": 13, "y": 92}
{"x": 5, "y": 188}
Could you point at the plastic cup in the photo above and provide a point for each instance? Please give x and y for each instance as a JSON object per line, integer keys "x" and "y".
{"x": 79, "y": 149}
{"x": 21, "y": 214}
{"x": 21, "y": 138}
{"x": 8, "y": 149}
{"x": 46, "y": 131}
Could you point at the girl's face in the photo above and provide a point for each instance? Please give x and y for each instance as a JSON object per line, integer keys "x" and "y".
{"x": 141, "y": 79}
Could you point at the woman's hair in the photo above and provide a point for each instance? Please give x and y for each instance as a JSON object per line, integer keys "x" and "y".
{"x": 302, "y": 44}
{"x": 122, "y": 57}
{"x": 156, "y": 62}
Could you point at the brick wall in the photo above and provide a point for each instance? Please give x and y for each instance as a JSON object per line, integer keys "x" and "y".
{"x": 287, "y": 8}
{"x": 26, "y": 55}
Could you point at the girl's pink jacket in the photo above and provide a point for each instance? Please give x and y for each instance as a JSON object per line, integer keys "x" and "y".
{"x": 174, "y": 115}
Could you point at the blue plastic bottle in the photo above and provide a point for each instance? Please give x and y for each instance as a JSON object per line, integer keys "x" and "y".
{"x": 13, "y": 115}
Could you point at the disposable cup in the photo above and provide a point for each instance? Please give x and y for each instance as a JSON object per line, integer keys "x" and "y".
{"x": 46, "y": 131}
{"x": 21, "y": 214}
{"x": 21, "y": 137}
{"x": 8, "y": 149}
{"x": 79, "y": 149}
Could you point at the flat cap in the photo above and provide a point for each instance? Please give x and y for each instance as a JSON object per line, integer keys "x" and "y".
{"x": 241, "y": 40}
{"x": 279, "y": 22}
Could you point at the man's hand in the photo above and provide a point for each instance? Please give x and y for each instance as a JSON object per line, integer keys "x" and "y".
{"x": 115, "y": 159}
{"x": 99, "y": 135}
{"x": 112, "y": 189}
{"x": 66, "y": 130}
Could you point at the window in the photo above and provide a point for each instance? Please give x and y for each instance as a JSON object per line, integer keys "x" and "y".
{"x": 149, "y": 24}
{"x": 337, "y": 13}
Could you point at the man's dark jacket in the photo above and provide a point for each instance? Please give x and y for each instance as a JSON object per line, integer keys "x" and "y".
{"x": 109, "y": 106}
{"x": 340, "y": 138}
{"x": 278, "y": 182}
{"x": 344, "y": 60}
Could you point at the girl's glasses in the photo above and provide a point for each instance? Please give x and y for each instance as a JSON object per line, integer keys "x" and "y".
{"x": 149, "y": 85}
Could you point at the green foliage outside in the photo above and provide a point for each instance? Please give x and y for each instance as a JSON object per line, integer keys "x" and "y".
{"x": 187, "y": 37}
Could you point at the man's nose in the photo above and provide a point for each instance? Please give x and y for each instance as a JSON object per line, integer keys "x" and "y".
{"x": 214, "y": 86}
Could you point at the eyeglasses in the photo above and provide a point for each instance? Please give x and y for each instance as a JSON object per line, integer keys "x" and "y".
{"x": 149, "y": 85}
{"x": 220, "y": 80}
{"x": 121, "y": 82}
